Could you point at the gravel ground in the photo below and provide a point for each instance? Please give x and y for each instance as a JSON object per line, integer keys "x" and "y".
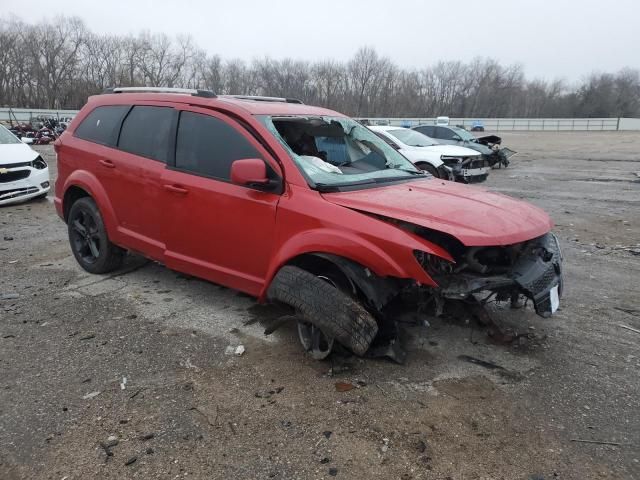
{"x": 187, "y": 409}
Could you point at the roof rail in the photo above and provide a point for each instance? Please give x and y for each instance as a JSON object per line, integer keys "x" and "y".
{"x": 259, "y": 98}
{"x": 188, "y": 91}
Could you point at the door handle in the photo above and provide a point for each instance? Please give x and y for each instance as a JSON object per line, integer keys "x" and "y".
{"x": 176, "y": 189}
{"x": 107, "y": 163}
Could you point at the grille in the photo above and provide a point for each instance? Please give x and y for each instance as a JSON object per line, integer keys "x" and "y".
{"x": 17, "y": 165}
{"x": 476, "y": 163}
{"x": 14, "y": 175}
{"x": 542, "y": 283}
{"x": 17, "y": 192}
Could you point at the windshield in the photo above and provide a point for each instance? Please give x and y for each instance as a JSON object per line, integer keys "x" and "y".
{"x": 412, "y": 138}
{"x": 464, "y": 135}
{"x": 338, "y": 151}
{"x": 7, "y": 137}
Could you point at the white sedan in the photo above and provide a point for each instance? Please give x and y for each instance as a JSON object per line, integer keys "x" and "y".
{"x": 23, "y": 172}
{"x": 443, "y": 161}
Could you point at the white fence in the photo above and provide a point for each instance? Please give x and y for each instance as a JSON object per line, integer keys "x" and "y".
{"x": 522, "y": 124}
{"x": 490, "y": 124}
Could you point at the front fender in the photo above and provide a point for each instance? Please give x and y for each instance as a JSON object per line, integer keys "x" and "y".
{"x": 390, "y": 260}
{"x": 88, "y": 182}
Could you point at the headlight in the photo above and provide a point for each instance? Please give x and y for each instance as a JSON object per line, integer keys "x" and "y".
{"x": 39, "y": 163}
{"x": 449, "y": 159}
{"x": 433, "y": 264}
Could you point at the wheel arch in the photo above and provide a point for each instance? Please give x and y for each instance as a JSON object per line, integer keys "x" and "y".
{"x": 83, "y": 184}
{"x": 374, "y": 290}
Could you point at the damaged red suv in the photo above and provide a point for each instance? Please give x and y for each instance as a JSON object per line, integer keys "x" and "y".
{"x": 292, "y": 204}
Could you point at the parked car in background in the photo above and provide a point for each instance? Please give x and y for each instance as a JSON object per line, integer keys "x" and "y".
{"x": 23, "y": 172}
{"x": 236, "y": 190}
{"x": 489, "y": 146}
{"x": 477, "y": 126}
{"x": 443, "y": 161}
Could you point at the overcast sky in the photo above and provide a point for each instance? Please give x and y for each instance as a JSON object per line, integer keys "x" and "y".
{"x": 550, "y": 38}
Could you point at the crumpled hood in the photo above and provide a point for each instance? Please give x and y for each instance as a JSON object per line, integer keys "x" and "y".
{"x": 450, "y": 150}
{"x": 473, "y": 215}
{"x": 16, "y": 153}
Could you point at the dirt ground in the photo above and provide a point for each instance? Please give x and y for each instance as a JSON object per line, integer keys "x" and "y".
{"x": 188, "y": 409}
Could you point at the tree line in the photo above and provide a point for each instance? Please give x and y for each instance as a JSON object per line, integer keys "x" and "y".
{"x": 59, "y": 64}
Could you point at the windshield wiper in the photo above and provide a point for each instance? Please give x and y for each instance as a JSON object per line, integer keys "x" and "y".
{"x": 412, "y": 172}
{"x": 334, "y": 187}
{"x": 393, "y": 179}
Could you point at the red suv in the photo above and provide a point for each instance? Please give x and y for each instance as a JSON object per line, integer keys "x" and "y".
{"x": 293, "y": 204}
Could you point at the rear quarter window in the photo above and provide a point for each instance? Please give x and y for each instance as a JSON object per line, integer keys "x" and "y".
{"x": 102, "y": 124}
{"x": 147, "y": 132}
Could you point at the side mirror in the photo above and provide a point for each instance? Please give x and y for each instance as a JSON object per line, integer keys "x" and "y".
{"x": 26, "y": 140}
{"x": 250, "y": 172}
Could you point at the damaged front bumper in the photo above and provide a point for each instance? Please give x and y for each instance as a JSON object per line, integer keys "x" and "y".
{"x": 536, "y": 274}
{"x": 469, "y": 170}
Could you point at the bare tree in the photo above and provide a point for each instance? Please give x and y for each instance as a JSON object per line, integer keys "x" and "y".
{"x": 61, "y": 63}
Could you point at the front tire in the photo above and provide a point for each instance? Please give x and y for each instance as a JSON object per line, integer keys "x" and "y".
{"x": 333, "y": 313}
{"x": 88, "y": 238}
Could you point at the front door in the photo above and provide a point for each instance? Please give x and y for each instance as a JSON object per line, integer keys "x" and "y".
{"x": 447, "y": 136}
{"x": 213, "y": 228}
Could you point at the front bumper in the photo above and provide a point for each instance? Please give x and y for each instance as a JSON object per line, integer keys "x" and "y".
{"x": 458, "y": 173}
{"x": 22, "y": 183}
{"x": 537, "y": 275}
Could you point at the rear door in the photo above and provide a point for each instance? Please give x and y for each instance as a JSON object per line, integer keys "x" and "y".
{"x": 213, "y": 228}
{"x": 136, "y": 192}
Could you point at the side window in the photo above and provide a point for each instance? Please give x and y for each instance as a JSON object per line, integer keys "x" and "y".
{"x": 445, "y": 133}
{"x": 208, "y": 146}
{"x": 427, "y": 130}
{"x": 146, "y": 131}
{"x": 102, "y": 125}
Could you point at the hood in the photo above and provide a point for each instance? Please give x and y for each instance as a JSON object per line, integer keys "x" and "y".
{"x": 16, "y": 153}
{"x": 451, "y": 150}
{"x": 473, "y": 215}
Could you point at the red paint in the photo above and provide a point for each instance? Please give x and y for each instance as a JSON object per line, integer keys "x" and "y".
{"x": 246, "y": 172}
{"x": 239, "y": 237}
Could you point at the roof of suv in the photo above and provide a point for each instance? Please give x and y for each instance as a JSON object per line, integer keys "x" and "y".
{"x": 249, "y": 105}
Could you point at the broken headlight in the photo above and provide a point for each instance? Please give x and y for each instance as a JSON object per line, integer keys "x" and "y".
{"x": 433, "y": 264}
{"x": 449, "y": 160}
{"x": 39, "y": 163}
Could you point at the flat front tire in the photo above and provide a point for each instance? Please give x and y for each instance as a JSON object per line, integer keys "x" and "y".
{"x": 321, "y": 304}
{"x": 88, "y": 238}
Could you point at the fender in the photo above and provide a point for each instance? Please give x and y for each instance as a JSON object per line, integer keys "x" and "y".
{"x": 357, "y": 249}
{"x": 88, "y": 182}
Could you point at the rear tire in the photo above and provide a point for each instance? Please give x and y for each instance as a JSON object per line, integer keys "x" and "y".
{"x": 88, "y": 238}
{"x": 427, "y": 167}
{"x": 323, "y": 305}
